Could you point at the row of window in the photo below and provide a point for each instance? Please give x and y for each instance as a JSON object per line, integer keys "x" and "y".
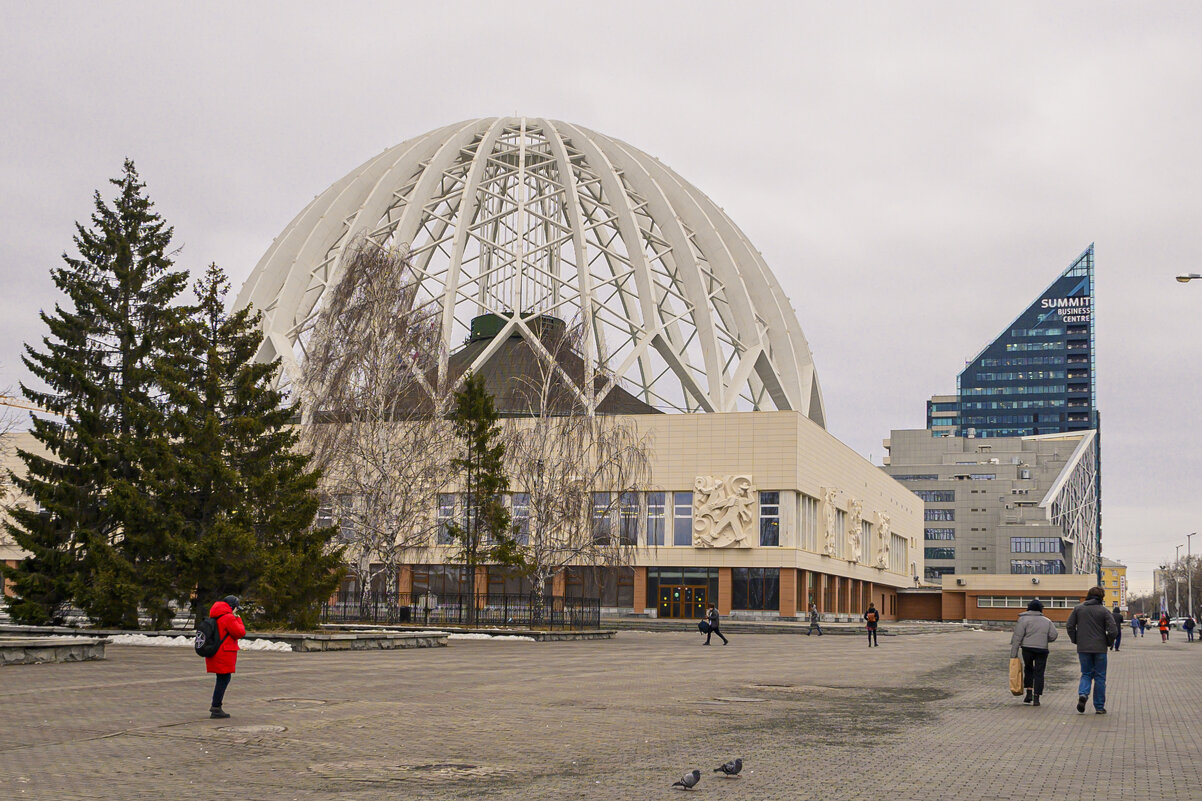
{"x": 935, "y": 573}
{"x": 1036, "y": 545}
{"x": 1022, "y": 375}
{"x": 1015, "y": 602}
{"x": 1050, "y": 331}
{"x": 1021, "y": 346}
{"x": 1044, "y": 566}
{"x": 1048, "y": 403}
{"x": 1050, "y": 389}
{"x": 917, "y": 477}
{"x": 936, "y": 496}
{"x": 939, "y": 514}
{"x": 940, "y": 533}
{"x": 940, "y": 553}
{"x": 1021, "y": 361}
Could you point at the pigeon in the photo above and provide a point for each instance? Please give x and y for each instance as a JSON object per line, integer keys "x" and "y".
{"x": 689, "y": 780}
{"x": 731, "y": 768}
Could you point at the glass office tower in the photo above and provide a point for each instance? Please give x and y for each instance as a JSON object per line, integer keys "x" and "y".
{"x": 1037, "y": 377}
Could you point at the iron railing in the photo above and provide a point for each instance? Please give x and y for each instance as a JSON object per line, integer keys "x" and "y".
{"x": 429, "y": 609}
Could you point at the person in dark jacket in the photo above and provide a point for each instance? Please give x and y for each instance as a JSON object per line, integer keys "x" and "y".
{"x": 814, "y": 622}
{"x": 1118, "y": 621}
{"x": 712, "y": 618}
{"x": 1091, "y": 628}
{"x": 871, "y": 618}
{"x": 1143, "y": 624}
{"x": 1189, "y": 625}
{"x": 1032, "y": 634}
{"x": 230, "y": 629}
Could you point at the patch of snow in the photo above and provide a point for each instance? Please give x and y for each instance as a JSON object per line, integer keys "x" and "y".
{"x": 509, "y": 637}
{"x": 186, "y": 642}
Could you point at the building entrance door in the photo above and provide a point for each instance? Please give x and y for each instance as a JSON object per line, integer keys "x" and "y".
{"x": 687, "y": 601}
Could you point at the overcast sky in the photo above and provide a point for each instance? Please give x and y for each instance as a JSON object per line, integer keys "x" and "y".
{"x": 914, "y": 173}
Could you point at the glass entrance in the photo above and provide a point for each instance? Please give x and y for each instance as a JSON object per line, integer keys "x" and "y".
{"x": 683, "y": 601}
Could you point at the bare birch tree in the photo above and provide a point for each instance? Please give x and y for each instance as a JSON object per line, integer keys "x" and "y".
{"x": 577, "y": 474}
{"x": 376, "y": 411}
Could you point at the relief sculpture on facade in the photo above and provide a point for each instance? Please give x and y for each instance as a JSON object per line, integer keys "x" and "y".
{"x": 883, "y": 534}
{"x": 855, "y": 525}
{"x": 828, "y": 509}
{"x": 722, "y": 512}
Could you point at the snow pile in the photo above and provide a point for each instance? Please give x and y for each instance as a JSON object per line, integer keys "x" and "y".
{"x": 509, "y": 637}
{"x": 186, "y": 642}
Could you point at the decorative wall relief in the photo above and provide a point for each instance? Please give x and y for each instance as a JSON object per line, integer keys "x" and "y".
{"x": 722, "y": 512}
{"x": 828, "y": 510}
{"x": 855, "y": 524}
{"x": 884, "y": 533}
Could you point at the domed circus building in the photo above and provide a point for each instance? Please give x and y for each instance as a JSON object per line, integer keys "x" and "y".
{"x": 512, "y": 221}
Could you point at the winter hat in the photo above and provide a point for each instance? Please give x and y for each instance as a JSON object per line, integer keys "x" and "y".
{"x": 231, "y": 600}
{"x": 1035, "y": 605}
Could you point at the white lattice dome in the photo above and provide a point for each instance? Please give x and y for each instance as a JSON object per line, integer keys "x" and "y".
{"x": 521, "y": 216}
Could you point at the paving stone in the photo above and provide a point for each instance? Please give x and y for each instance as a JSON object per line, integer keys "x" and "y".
{"x": 922, "y": 717}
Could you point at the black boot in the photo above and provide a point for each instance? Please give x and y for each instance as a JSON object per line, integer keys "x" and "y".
{"x": 1027, "y": 699}
{"x": 217, "y": 712}
{"x": 1036, "y": 701}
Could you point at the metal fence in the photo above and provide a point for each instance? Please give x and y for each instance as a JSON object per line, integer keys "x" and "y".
{"x": 428, "y": 609}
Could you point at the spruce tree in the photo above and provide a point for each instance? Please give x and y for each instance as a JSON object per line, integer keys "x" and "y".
{"x": 485, "y": 535}
{"x": 245, "y": 497}
{"x": 97, "y": 536}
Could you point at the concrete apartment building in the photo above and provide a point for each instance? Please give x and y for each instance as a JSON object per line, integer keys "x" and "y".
{"x": 1002, "y": 504}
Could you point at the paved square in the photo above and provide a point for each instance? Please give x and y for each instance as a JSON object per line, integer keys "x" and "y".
{"x": 922, "y": 717}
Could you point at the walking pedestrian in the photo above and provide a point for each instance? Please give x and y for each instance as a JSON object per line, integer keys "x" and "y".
{"x": 1118, "y": 622}
{"x": 230, "y": 629}
{"x": 1032, "y": 633}
{"x": 1134, "y": 626}
{"x": 1189, "y": 625}
{"x": 712, "y": 617}
{"x": 1163, "y": 625}
{"x": 814, "y": 622}
{"x": 1091, "y": 628}
{"x": 871, "y": 618}
{"x": 1143, "y": 624}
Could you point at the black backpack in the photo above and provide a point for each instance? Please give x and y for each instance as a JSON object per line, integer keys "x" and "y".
{"x": 207, "y": 638}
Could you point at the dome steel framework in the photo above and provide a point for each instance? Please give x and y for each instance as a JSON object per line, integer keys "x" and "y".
{"x": 521, "y": 217}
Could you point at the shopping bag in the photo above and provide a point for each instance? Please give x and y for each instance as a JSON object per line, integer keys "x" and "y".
{"x": 1016, "y": 676}
{"x": 703, "y": 626}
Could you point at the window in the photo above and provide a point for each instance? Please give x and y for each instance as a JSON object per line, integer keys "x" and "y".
{"x": 1036, "y": 545}
{"x": 940, "y": 553}
{"x": 840, "y": 532}
{"x": 983, "y": 477}
{"x": 325, "y": 514}
{"x": 936, "y": 496}
{"x": 628, "y": 518}
{"x": 755, "y": 588}
{"x": 808, "y": 520}
{"x": 345, "y": 505}
{"x": 520, "y": 511}
{"x": 655, "y": 518}
{"x": 1016, "y": 602}
{"x": 939, "y": 514}
{"x": 602, "y": 518}
{"x": 769, "y": 519}
{"x": 923, "y": 477}
{"x": 898, "y": 554}
{"x": 1045, "y": 566}
{"x": 935, "y": 573}
{"x": 682, "y": 523}
{"x": 940, "y": 534}
{"x": 446, "y": 515}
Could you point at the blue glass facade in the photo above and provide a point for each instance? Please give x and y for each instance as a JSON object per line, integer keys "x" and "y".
{"x": 1037, "y": 377}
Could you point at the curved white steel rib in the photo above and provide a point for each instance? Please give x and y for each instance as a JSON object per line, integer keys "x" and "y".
{"x": 520, "y": 216}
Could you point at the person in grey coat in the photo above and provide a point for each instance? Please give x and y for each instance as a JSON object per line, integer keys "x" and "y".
{"x": 1032, "y": 633}
{"x": 1091, "y": 627}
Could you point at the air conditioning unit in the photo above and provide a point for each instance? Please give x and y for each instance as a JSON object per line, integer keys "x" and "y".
{"x": 961, "y": 582}
{"x": 1035, "y": 580}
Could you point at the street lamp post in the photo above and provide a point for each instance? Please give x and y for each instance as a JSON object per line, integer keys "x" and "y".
{"x": 1177, "y": 583}
{"x": 1189, "y": 576}
{"x": 1185, "y": 278}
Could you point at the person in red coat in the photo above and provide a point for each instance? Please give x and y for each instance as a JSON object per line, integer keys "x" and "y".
{"x": 229, "y": 630}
